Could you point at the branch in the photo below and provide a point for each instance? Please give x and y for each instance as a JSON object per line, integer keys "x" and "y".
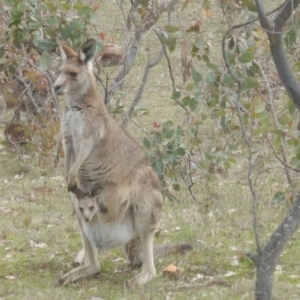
{"x": 276, "y": 123}
{"x": 282, "y": 64}
{"x": 56, "y": 102}
{"x": 150, "y": 64}
{"x": 168, "y": 60}
{"x": 128, "y": 63}
{"x": 248, "y": 143}
{"x": 285, "y": 13}
{"x": 264, "y": 22}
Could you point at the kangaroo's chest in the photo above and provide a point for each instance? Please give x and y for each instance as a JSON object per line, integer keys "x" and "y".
{"x": 105, "y": 235}
{"x": 74, "y": 124}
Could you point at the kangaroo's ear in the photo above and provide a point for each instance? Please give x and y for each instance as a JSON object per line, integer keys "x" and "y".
{"x": 88, "y": 51}
{"x": 66, "y": 51}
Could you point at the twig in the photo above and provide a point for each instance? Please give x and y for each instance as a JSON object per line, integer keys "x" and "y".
{"x": 282, "y": 161}
{"x": 276, "y": 123}
{"x": 246, "y": 140}
{"x": 50, "y": 84}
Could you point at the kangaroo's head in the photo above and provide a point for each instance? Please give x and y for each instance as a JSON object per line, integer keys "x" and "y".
{"x": 76, "y": 76}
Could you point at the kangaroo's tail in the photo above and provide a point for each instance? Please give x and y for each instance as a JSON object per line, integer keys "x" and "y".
{"x": 165, "y": 249}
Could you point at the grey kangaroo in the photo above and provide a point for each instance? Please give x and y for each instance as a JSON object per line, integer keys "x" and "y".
{"x": 116, "y": 194}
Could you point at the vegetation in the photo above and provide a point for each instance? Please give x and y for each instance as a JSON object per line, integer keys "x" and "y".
{"x": 199, "y": 88}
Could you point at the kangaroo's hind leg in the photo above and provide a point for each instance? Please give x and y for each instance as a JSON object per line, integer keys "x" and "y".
{"x": 147, "y": 213}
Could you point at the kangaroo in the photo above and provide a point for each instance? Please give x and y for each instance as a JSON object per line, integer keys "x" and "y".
{"x": 101, "y": 157}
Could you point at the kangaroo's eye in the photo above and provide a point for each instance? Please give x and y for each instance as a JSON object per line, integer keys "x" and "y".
{"x": 91, "y": 208}
{"x": 73, "y": 74}
{"x": 81, "y": 209}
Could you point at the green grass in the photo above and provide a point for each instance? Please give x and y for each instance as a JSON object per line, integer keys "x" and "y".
{"x": 40, "y": 238}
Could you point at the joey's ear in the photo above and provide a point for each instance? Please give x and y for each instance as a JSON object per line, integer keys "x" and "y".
{"x": 79, "y": 194}
{"x": 93, "y": 192}
{"x": 66, "y": 51}
{"x": 88, "y": 51}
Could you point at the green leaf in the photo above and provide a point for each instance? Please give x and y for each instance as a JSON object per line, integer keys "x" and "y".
{"x": 26, "y": 36}
{"x": 250, "y": 82}
{"x": 45, "y": 61}
{"x": 210, "y": 78}
{"x": 157, "y": 137}
{"x": 290, "y": 38}
{"x": 260, "y": 107}
{"x": 250, "y": 4}
{"x": 229, "y": 56}
{"x": 43, "y": 7}
{"x": 1, "y": 51}
{"x": 293, "y": 186}
{"x": 159, "y": 166}
{"x": 228, "y": 80}
{"x": 196, "y": 76}
{"x": 178, "y": 152}
{"x": 146, "y": 143}
{"x": 169, "y": 134}
{"x": 53, "y": 21}
{"x": 176, "y": 187}
{"x": 71, "y": 29}
{"x": 295, "y": 162}
{"x": 172, "y": 28}
{"x": 22, "y": 6}
{"x": 190, "y": 102}
{"x": 11, "y": 69}
{"x": 118, "y": 110}
{"x": 248, "y": 55}
{"x": 45, "y": 45}
{"x": 176, "y": 95}
{"x": 14, "y": 21}
{"x": 169, "y": 40}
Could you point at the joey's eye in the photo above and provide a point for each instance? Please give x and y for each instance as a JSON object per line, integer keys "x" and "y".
{"x": 73, "y": 74}
{"x": 81, "y": 209}
{"x": 91, "y": 208}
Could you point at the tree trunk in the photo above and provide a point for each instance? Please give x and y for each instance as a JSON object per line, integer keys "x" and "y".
{"x": 267, "y": 260}
{"x": 268, "y": 257}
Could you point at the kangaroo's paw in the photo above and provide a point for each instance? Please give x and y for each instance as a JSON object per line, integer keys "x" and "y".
{"x": 81, "y": 272}
{"x": 140, "y": 279}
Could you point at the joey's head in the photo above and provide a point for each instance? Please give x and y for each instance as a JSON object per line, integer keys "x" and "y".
{"x": 88, "y": 207}
{"x": 87, "y": 204}
{"x": 75, "y": 75}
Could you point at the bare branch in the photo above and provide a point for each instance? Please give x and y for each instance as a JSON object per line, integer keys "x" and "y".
{"x": 249, "y": 147}
{"x": 128, "y": 63}
{"x": 276, "y": 122}
{"x": 284, "y": 14}
{"x": 56, "y": 102}
{"x": 265, "y": 23}
{"x": 150, "y": 64}
{"x": 282, "y": 64}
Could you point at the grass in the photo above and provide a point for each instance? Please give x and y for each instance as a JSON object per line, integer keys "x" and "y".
{"x": 39, "y": 239}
